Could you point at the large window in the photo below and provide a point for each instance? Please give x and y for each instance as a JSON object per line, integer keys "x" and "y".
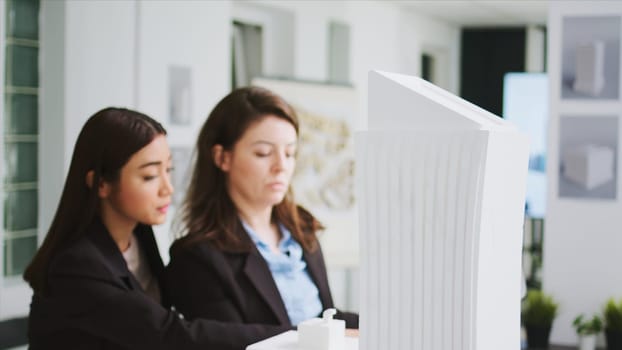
{"x": 20, "y": 135}
{"x": 526, "y": 104}
{"x": 247, "y": 46}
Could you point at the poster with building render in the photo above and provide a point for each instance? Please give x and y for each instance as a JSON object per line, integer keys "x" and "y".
{"x": 590, "y": 57}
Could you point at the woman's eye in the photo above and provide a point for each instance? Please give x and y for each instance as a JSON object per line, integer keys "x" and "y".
{"x": 262, "y": 154}
{"x": 170, "y": 169}
{"x": 149, "y": 177}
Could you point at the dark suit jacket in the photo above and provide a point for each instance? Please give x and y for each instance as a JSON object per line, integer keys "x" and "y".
{"x": 94, "y": 302}
{"x": 207, "y": 282}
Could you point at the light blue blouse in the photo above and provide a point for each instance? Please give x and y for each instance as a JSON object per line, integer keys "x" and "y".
{"x": 289, "y": 270}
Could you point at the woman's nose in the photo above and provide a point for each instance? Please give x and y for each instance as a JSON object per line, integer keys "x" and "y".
{"x": 166, "y": 187}
{"x": 279, "y": 162}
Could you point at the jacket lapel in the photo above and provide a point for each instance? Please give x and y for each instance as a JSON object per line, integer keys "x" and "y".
{"x": 219, "y": 260}
{"x": 113, "y": 258}
{"x": 317, "y": 271}
{"x": 149, "y": 246}
{"x": 258, "y": 272}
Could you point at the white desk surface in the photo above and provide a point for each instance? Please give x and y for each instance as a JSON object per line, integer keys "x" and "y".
{"x": 289, "y": 341}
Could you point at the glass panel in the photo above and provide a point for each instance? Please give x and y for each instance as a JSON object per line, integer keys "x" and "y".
{"x": 20, "y": 210}
{"x": 24, "y": 69}
{"x": 17, "y": 254}
{"x": 23, "y": 19}
{"x": 247, "y": 47}
{"x": 338, "y": 52}
{"x": 427, "y": 67}
{"x": 20, "y": 161}
{"x": 22, "y": 115}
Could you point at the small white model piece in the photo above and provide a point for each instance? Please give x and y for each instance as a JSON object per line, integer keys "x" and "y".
{"x": 589, "y": 68}
{"x": 323, "y": 333}
{"x": 588, "y": 165}
{"x": 289, "y": 341}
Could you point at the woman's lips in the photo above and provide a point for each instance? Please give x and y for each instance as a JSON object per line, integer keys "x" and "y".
{"x": 163, "y": 209}
{"x": 277, "y": 186}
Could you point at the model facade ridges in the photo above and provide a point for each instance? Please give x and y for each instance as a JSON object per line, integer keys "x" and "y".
{"x": 441, "y": 191}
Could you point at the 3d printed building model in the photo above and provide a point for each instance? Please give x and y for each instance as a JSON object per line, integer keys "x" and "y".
{"x": 589, "y": 68}
{"x": 441, "y": 193}
{"x": 323, "y": 333}
{"x": 588, "y": 165}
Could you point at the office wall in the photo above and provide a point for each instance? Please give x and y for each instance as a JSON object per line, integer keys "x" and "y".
{"x": 382, "y": 36}
{"x": 582, "y": 235}
{"x": 426, "y": 35}
{"x": 86, "y": 64}
{"x": 192, "y": 35}
{"x": 395, "y": 42}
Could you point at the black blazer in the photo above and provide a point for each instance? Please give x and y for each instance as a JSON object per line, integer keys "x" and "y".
{"x": 94, "y": 302}
{"x": 236, "y": 287}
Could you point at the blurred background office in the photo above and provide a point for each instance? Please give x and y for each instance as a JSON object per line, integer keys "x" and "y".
{"x": 63, "y": 60}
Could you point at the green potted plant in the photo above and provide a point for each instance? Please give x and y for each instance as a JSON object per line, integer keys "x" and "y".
{"x": 538, "y": 312}
{"x": 587, "y": 329}
{"x": 613, "y": 324}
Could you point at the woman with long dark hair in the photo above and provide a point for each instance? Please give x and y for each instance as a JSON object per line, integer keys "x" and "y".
{"x": 96, "y": 277}
{"x": 248, "y": 254}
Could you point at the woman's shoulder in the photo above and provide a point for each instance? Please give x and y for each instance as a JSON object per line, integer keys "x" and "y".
{"x": 79, "y": 255}
{"x": 79, "y": 270}
{"x": 195, "y": 247}
{"x": 202, "y": 257}
{"x": 94, "y": 256}
{"x": 217, "y": 242}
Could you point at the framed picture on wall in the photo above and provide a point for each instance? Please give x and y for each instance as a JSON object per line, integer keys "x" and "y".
{"x": 179, "y": 95}
{"x": 590, "y": 58}
{"x": 588, "y": 157}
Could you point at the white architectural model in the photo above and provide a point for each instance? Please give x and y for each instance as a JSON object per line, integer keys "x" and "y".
{"x": 289, "y": 341}
{"x": 589, "y": 68}
{"x": 441, "y": 187}
{"x": 323, "y": 333}
{"x": 588, "y": 165}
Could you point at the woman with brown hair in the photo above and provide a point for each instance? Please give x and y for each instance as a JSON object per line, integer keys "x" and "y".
{"x": 97, "y": 276}
{"x": 248, "y": 253}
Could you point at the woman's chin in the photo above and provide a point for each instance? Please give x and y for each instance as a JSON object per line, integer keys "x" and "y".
{"x": 275, "y": 200}
{"x": 155, "y": 221}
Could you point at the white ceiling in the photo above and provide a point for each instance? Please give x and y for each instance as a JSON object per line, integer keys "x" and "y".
{"x": 479, "y": 13}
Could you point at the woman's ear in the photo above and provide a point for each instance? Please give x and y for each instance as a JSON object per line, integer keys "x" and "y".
{"x": 89, "y": 178}
{"x": 103, "y": 188}
{"x": 221, "y": 157}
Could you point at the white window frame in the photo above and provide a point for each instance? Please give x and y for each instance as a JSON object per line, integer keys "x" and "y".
{"x": 278, "y": 26}
{"x": 15, "y": 294}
